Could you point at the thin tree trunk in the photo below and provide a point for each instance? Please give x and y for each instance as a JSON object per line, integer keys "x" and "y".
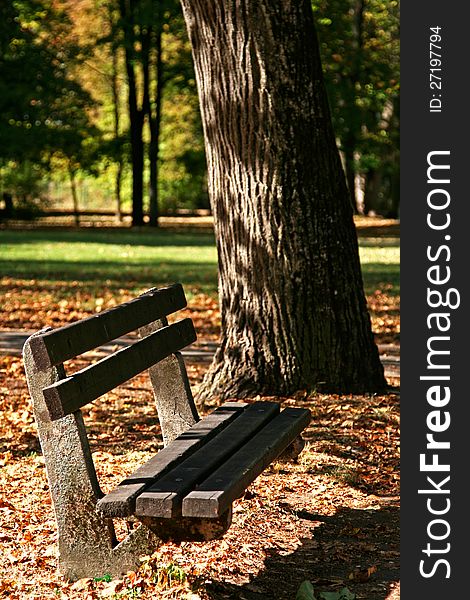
{"x": 117, "y": 119}
{"x": 350, "y": 171}
{"x": 155, "y": 123}
{"x": 73, "y": 187}
{"x": 371, "y": 191}
{"x": 395, "y": 195}
{"x": 117, "y": 189}
{"x": 136, "y": 115}
{"x": 294, "y": 314}
{"x": 8, "y": 201}
{"x": 137, "y": 161}
{"x": 353, "y": 113}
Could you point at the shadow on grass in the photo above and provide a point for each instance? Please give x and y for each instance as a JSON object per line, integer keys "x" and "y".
{"x": 114, "y": 272}
{"x": 377, "y": 276}
{"x": 381, "y": 276}
{"x": 133, "y": 238}
{"x": 341, "y": 544}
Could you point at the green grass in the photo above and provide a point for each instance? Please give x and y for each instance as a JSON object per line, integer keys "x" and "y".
{"x": 136, "y": 260}
{"x": 380, "y": 262}
{"x": 118, "y": 259}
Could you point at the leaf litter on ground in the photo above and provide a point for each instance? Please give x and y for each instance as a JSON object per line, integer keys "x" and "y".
{"x": 331, "y": 513}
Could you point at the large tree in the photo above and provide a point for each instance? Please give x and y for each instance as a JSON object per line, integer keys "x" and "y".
{"x": 294, "y": 314}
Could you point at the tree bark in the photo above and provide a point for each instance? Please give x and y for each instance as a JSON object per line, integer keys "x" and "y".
{"x": 371, "y": 191}
{"x": 73, "y": 187}
{"x": 294, "y": 314}
{"x": 350, "y": 170}
{"x": 155, "y": 125}
{"x": 136, "y": 115}
{"x": 116, "y": 118}
{"x": 137, "y": 161}
{"x": 8, "y": 201}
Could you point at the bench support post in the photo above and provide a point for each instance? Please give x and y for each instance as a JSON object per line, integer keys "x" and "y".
{"x": 87, "y": 542}
{"x": 173, "y": 398}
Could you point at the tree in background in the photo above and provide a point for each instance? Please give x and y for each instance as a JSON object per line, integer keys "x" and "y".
{"x": 116, "y": 144}
{"x": 293, "y": 309}
{"x": 43, "y": 110}
{"x": 142, "y": 25}
{"x": 360, "y": 55}
{"x": 65, "y": 52}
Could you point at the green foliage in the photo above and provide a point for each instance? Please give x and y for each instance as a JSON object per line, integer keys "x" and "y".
{"x": 343, "y": 594}
{"x": 306, "y": 592}
{"x": 359, "y": 43}
{"x": 63, "y": 94}
{"x": 106, "y": 578}
{"x": 25, "y": 180}
{"x": 170, "y": 574}
{"x": 43, "y": 110}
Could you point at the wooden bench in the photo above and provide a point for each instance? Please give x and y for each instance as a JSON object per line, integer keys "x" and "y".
{"x": 187, "y": 489}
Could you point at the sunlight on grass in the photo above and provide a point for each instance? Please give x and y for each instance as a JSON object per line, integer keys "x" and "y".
{"x": 140, "y": 260}
{"x": 124, "y": 259}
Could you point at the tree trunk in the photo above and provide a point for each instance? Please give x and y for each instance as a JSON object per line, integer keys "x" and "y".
{"x": 8, "y": 200}
{"x": 154, "y": 124}
{"x": 117, "y": 119}
{"x": 73, "y": 187}
{"x": 395, "y": 194}
{"x": 294, "y": 314}
{"x": 137, "y": 160}
{"x": 136, "y": 115}
{"x": 350, "y": 171}
{"x": 117, "y": 189}
{"x": 371, "y": 191}
{"x": 352, "y": 113}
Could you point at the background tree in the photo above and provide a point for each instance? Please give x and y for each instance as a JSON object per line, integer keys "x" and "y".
{"x": 115, "y": 148}
{"x": 143, "y": 23}
{"x": 43, "y": 110}
{"x": 359, "y": 43}
{"x": 294, "y": 314}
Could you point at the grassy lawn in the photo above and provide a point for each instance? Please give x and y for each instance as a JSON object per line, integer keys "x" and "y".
{"x": 52, "y": 276}
{"x": 138, "y": 260}
{"x": 112, "y": 258}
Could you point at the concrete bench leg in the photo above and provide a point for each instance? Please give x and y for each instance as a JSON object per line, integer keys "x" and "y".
{"x": 87, "y": 543}
{"x": 173, "y": 398}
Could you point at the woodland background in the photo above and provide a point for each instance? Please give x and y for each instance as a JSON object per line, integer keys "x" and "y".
{"x": 79, "y": 94}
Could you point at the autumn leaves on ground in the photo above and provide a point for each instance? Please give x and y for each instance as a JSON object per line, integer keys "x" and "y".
{"x": 330, "y": 518}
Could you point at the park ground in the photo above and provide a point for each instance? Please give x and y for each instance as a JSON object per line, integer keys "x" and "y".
{"x": 330, "y": 518}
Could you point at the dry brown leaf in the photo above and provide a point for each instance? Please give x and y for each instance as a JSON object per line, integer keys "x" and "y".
{"x": 362, "y": 575}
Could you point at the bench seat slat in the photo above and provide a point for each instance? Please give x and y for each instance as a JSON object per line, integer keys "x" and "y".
{"x": 164, "y": 497}
{"x": 228, "y": 482}
{"x": 77, "y": 390}
{"x": 120, "y": 502}
{"x": 59, "y": 345}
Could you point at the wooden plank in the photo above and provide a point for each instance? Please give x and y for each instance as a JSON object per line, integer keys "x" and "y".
{"x": 226, "y": 484}
{"x": 58, "y": 345}
{"x": 120, "y": 502}
{"x": 164, "y": 497}
{"x": 77, "y": 390}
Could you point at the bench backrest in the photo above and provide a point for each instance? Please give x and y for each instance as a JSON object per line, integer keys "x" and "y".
{"x": 53, "y": 347}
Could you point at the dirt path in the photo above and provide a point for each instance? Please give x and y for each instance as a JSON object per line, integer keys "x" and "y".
{"x": 12, "y": 340}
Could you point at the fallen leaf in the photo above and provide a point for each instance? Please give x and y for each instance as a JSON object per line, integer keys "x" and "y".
{"x": 362, "y": 575}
